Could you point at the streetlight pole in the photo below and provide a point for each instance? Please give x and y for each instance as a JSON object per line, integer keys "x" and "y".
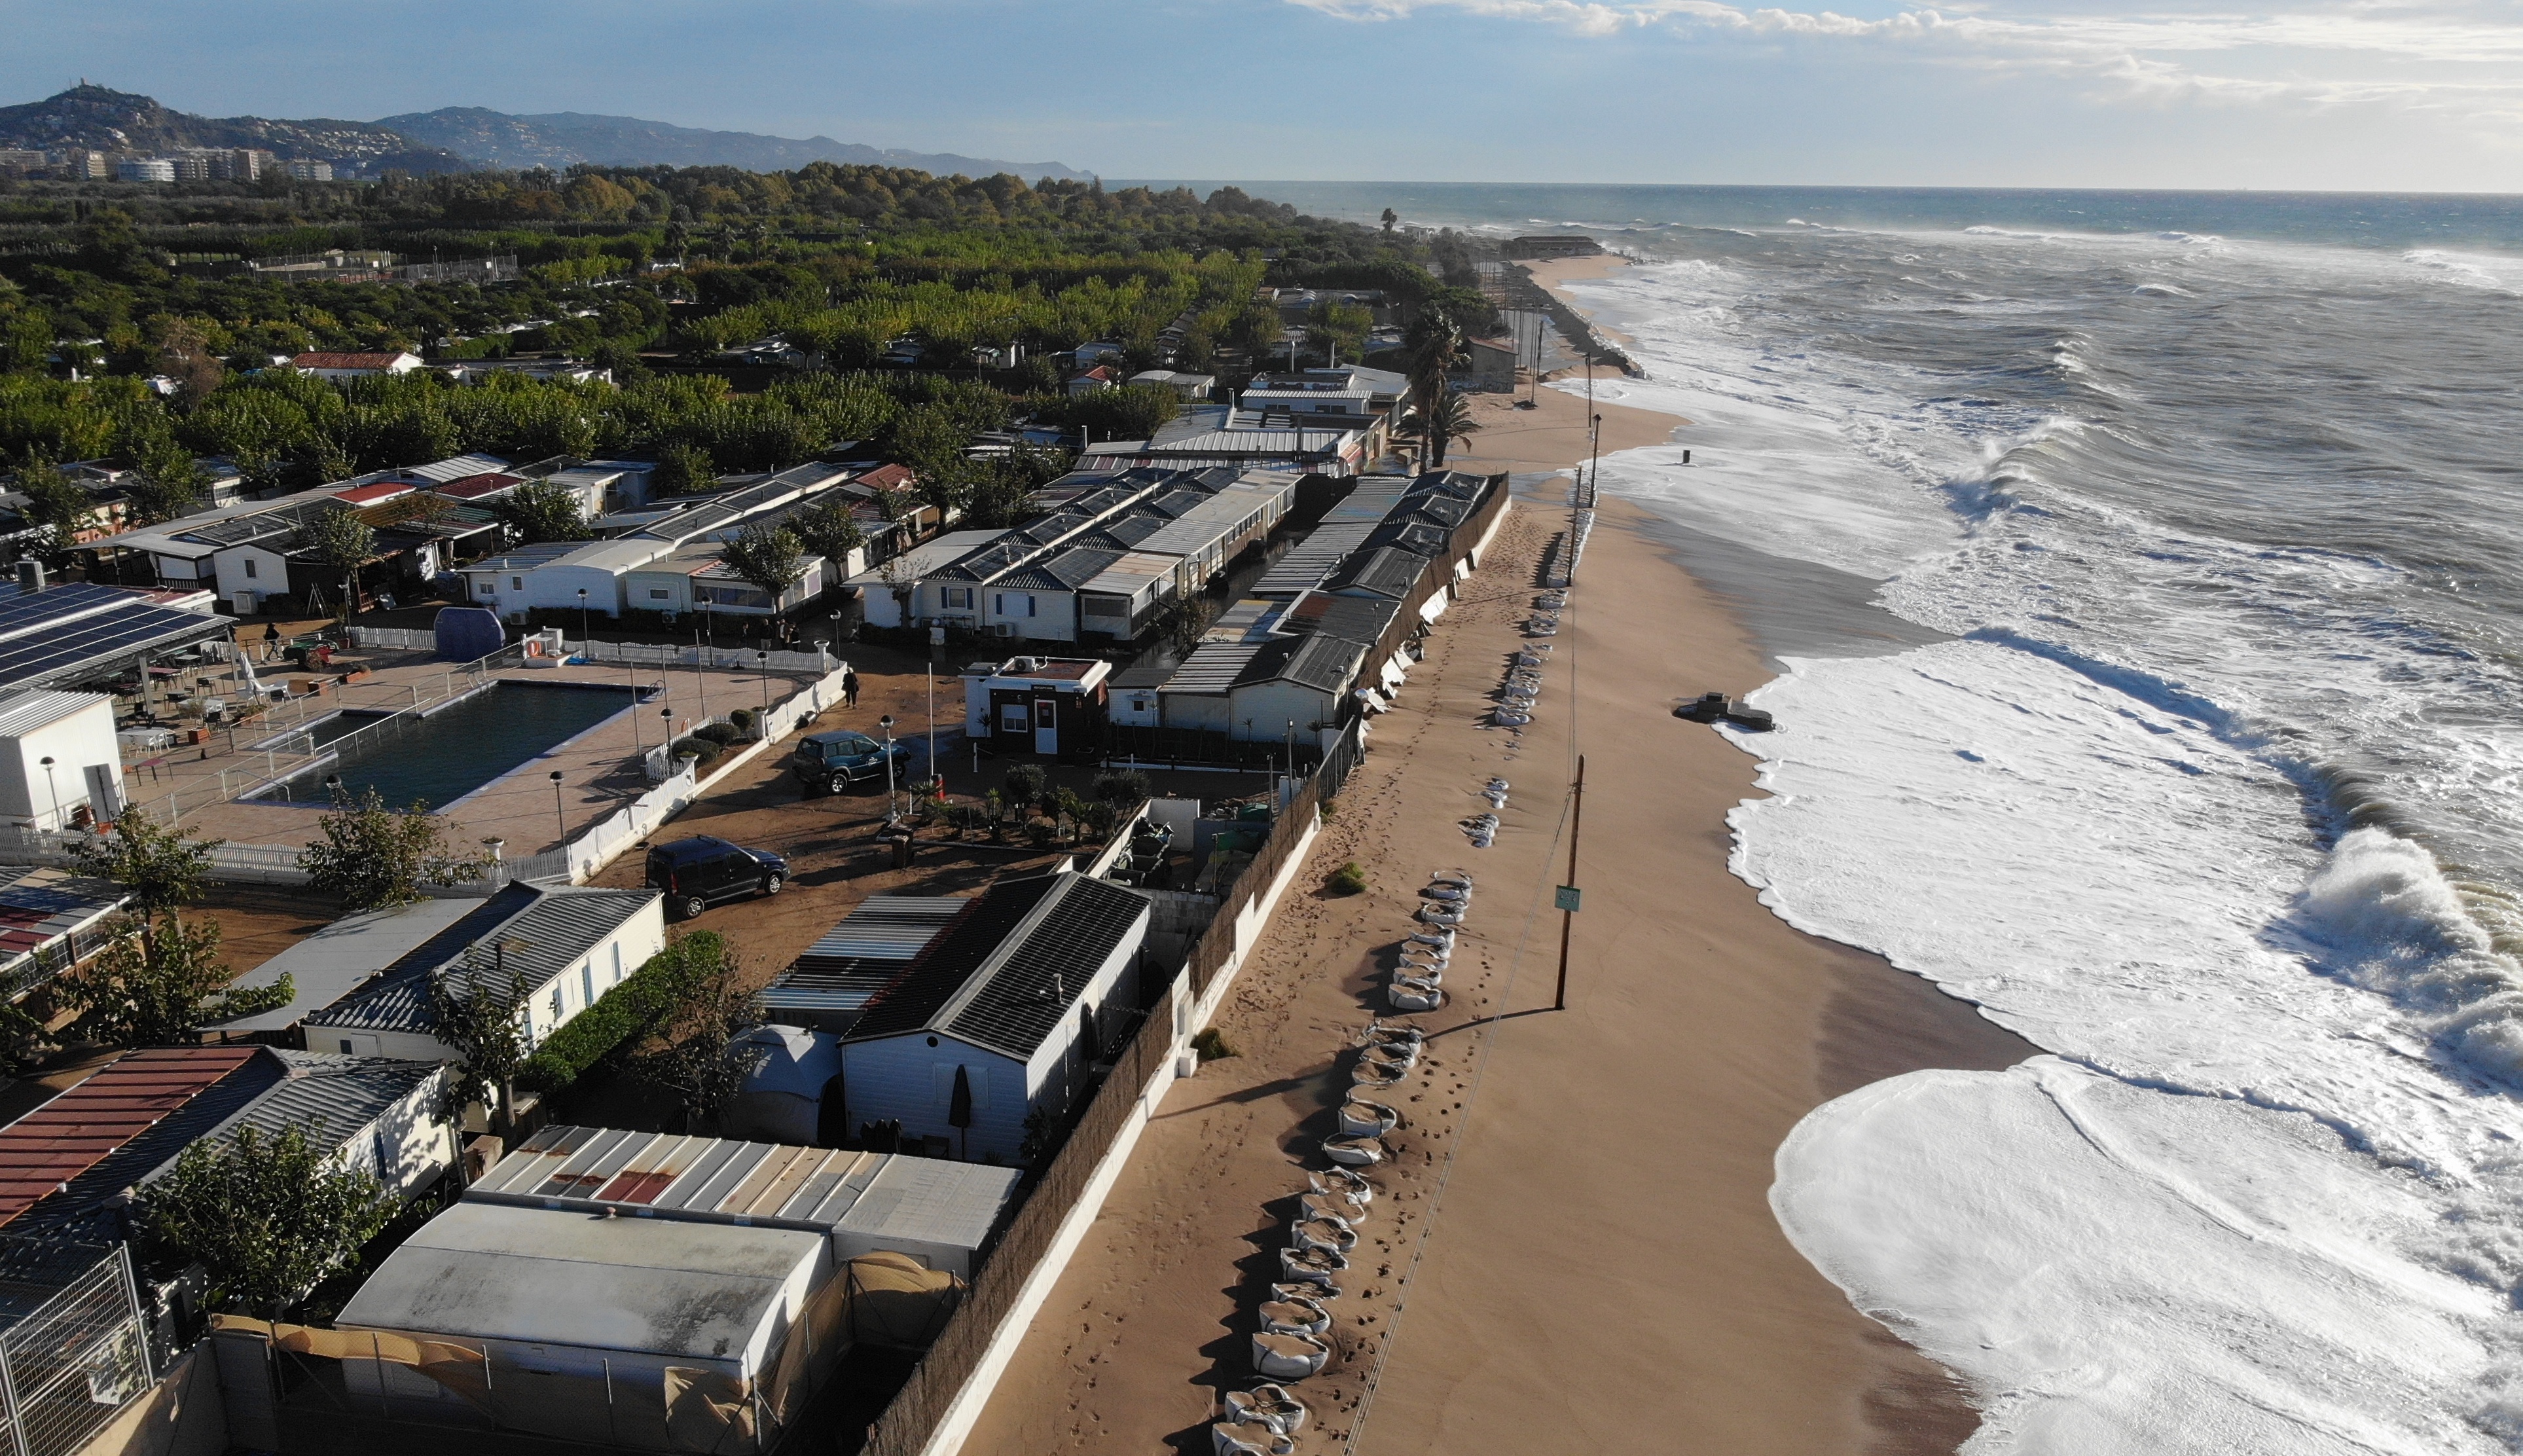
{"x": 53, "y": 791}
{"x": 886, "y": 723}
{"x": 701, "y": 654}
{"x": 937, "y": 778}
{"x": 560, "y": 816}
{"x": 583, "y": 639}
{"x": 762, "y": 657}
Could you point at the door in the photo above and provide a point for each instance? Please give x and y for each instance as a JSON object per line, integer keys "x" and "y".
{"x": 1046, "y": 726}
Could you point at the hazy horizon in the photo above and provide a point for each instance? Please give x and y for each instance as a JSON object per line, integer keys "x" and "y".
{"x": 2328, "y": 95}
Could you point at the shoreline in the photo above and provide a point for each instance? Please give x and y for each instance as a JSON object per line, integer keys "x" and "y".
{"x": 1573, "y": 1249}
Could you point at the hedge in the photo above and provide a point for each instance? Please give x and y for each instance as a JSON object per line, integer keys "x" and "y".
{"x": 625, "y": 1014}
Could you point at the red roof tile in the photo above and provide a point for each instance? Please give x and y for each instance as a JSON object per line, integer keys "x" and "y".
{"x": 370, "y": 495}
{"x": 472, "y": 486}
{"x": 84, "y": 1126}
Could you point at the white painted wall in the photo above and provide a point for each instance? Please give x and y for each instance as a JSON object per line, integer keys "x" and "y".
{"x": 31, "y": 797}
{"x": 255, "y": 569}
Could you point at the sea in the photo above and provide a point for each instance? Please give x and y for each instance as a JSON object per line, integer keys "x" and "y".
{"x": 2174, "y": 718}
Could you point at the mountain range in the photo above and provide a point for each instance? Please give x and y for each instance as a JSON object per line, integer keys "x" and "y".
{"x": 455, "y": 139}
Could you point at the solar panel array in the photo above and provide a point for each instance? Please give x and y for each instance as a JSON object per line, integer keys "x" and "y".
{"x": 79, "y": 629}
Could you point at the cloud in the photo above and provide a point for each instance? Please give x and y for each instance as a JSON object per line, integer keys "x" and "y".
{"x": 2348, "y": 52}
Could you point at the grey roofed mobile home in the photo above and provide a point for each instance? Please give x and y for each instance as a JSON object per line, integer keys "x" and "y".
{"x": 327, "y": 966}
{"x": 1017, "y": 996}
{"x": 537, "y": 934}
{"x": 382, "y": 1113}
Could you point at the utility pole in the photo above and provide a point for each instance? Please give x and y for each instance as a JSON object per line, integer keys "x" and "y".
{"x": 1567, "y": 897}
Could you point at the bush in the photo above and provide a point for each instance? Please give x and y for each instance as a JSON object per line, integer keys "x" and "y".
{"x": 1348, "y": 879}
{"x": 698, "y": 747}
{"x": 744, "y": 720}
{"x": 1211, "y": 1045}
{"x": 1042, "y": 833}
{"x": 721, "y": 734}
{"x": 1120, "y": 786}
{"x": 625, "y": 1014}
{"x": 1101, "y": 818}
{"x": 1025, "y": 784}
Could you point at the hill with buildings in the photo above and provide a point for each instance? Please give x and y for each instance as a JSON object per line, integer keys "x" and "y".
{"x": 98, "y": 119}
{"x": 561, "y": 139}
{"x": 453, "y": 139}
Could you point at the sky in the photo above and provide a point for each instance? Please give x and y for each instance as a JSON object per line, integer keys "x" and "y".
{"x": 2398, "y": 95}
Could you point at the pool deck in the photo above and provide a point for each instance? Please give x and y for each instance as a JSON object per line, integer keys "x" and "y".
{"x": 600, "y": 767}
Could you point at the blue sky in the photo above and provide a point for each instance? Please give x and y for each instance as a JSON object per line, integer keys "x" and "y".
{"x": 2362, "y": 94}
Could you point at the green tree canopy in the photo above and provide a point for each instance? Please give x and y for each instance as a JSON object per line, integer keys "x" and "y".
{"x": 540, "y": 511}
{"x": 160, "y": 981}
{"x": 767, "y": 557}
{"x": 483, "y": 1016}
{"x": 341, "y": 543}
{"x": 828, "y": 527}
{"x": 163, "y": 869}
{"x": 374, "y": 856}
{"x": 269, "y": 1218}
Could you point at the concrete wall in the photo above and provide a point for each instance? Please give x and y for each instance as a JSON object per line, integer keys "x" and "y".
{"x": 182, "y": 1415}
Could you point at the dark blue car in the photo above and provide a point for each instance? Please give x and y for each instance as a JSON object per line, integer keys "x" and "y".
{"x": 829, "y": 762}
{"x": 701, "y": 871}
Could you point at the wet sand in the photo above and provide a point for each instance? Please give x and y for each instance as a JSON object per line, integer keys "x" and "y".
{"x": 1572, "y": 1248}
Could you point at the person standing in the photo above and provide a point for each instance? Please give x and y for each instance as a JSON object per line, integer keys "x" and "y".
{"x": 850, "y": 687}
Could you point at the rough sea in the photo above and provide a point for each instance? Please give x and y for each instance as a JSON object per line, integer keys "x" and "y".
{"x": 2197, "y": 760}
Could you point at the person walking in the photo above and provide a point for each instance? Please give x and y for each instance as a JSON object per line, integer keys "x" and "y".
{"x": 850, "y": 687}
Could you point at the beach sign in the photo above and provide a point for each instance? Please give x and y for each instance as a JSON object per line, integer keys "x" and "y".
{"x": 1565, "y": 899}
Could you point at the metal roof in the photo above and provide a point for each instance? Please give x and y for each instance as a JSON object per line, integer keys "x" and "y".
{"x": 1307, "y": 564}
{"x": 1384, "y": 571}
{"x": 1363, "y": 620}
{"x": 38, "y": 906}
{"x": 952, "y": 959}
{"x": 29, "y": 712}
{"x": 1213, "y": 666}
{"x": 1327, "y": 664}
{"x": 524, "y": 558}
{"x": 1417, "y": 537}
{"x": 335, "y": 960}
{"x": 69, "y": 631}
{"x": 1373, "y": 498}
{"x": 867, "y": 951}
{"x": 927, "y": 558}
{"x": 873, "y": 1199}
{"x": 529, "y": 930}
{"x": 1070, "y": 571}
{"x": 455, "y": 468}
{"x": 1017, "y": 996}
{"x": 658, "y": 1287}
{"x": 332, "y": 1097}
{"x": 1131, "y": 572}
{"x": 66, "y": 1140}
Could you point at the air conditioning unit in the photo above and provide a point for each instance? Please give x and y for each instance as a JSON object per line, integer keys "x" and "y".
{"x": 242, "y": 603}
{"x": 1003, "y": 629}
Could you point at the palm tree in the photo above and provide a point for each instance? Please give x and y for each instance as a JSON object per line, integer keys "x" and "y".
{"x": 1435, "y": 345}
{"x": 1451, "y": 420}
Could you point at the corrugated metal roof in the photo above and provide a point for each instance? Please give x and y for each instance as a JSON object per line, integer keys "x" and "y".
{"x": 1067, "y": 572}
{"x": 1384, "y": 571}
{"x": 524, "y": 558}
{"x": 534, "y": 932}
{"x": 867, "y": 951}
{"x": 44, "y": 1152}
{"x": 327, "y": 966}
{"x": 1131, "y": 572}
{"x": 941, "y": 971}
{"x": 38, "y": 906}
{"x": 927, "y": 558}
{"x": 457, "y": 468}
{"x": 27, "y": 712}
{"x": 1307, "y": 564}
{"x": 1213, "y": 666}
{"x": 1032, "y": 985}
{"x": 330, "y": 1096}
{"x": 1325, "y": 663}
{"x": 664, "y": 1175}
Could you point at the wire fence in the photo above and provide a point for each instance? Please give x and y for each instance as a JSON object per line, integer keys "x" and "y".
{"x": 68, "y": 1362}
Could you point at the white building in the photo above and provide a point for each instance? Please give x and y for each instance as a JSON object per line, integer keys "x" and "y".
{"x": 568, "y": 945}
{"x": 325, "y": 364}
{"x": 83, "y": 778}
{"x": 1002, "y": 1016}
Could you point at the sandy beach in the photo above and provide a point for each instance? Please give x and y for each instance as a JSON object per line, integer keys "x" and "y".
{"x": 1572, "y": 1248}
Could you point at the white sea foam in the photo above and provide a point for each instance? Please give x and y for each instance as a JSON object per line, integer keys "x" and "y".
{"x": 2267, "y": 1194}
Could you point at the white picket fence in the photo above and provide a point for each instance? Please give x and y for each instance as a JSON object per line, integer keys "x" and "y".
{"x": 725, "y": 659}
{"x": 396, "y": 639}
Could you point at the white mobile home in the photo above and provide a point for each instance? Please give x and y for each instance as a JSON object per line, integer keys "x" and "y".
{"x": 1002, "y": 1016}
{"x": 568, "y": 944}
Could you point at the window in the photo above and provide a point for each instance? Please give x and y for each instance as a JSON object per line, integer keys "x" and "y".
{"x": 516, "y": 584}
{"x": 489, "y": 589}
{"x": 556, "y": 1010}
{"x": 957, "y": 596}
{"x": 250, "y": 565}
{"x": 657, "y": 593}
{"x": 1023, "y": 603}
{"x": 617, "y": 963}
{"x": 586, "y": 983}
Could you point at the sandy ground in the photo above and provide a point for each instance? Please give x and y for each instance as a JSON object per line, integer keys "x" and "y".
{"x": 1572, "y": 1248}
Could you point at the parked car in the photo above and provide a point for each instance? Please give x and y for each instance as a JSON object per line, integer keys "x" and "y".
{"x": 829, "y": 762}
{"x": 701, "y": 871}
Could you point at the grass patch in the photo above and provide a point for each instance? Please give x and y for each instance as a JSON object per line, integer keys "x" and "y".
{"x": 1211, "y": 1045}
{"x": 1348, "y": 879}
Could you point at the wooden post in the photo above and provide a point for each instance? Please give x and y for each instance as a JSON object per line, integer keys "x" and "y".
{"x": 1568, "y": 914}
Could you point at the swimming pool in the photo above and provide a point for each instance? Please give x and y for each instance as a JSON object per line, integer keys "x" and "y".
{"x": 440, "y": 756}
